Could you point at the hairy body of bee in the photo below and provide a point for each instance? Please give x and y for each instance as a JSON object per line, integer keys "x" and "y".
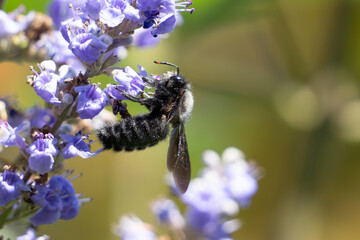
{"x": 133, "y": 133}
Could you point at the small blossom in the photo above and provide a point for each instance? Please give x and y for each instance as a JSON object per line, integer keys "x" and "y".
{"x": 56, "y": 48}
{"x": 115, "y": 11}
{"x": 59, "y": 10}
{"x": 40, "y": 117}
{"x": 87, "y": 47}
{"x": 13, "y": 23}
{"x": 207, "y": 194}
{"x": 162, "y": 14}
{"x": 76, "y": 146}
{"x": 144, "y": 39}
{"x": 114, "y": 92}
{"x": 132, "y": 228}
{"x": 167, "y": 213}
{"x": 241, "y": 183}
{"x": 92, "y": 8}
{"x": 91, "y": 101}
{"x": 41, "y": 153}
{"x": 165, "y": 25}
{"x": 225, "y": 184}
{"x": 10, "y": 136}
{"x": 46, "y": 85}
{"x": 31, "y": 235}
{"x": 56, "y": 200}
{"x": 11, "y": 186}
{"x": 8, "y": 25}
{"x": 129, "y": 80}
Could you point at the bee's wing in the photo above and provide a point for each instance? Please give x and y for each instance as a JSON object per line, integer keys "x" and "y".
{"x": 178, "y": 161}
{"x": 173, "y": 150}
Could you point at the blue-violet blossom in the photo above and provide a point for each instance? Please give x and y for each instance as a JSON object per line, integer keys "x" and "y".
{"x": 76, "y": 146}
{"x": 11, "y": 186}
{"x": 41, "y": 153}
{"x": 10, "y": 137}
{"x": 57, "y": 200}
{"x": 91, "y": 101}
{"x": 31, "y": 235}
{"x": 87, "y": 47}
{"x": 161, "y": 14}
{"x": 132, "y": 228}
{"x": 46, "y": 85}
{"x": 168, "y": 213}
{"x": 130, "y": 81}
{"x": 115, "y": 11}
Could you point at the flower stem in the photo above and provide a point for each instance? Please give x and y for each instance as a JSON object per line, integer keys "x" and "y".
{"x": 62, "y": 117}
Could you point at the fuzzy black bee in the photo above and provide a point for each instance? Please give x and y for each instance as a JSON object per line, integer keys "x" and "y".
{"x": 172, "y": 103}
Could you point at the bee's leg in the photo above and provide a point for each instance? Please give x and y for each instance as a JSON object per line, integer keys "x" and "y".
{"x": 147, "y": 102}
{"x": 149, "y": 80}
{"x": 131, "y": 97}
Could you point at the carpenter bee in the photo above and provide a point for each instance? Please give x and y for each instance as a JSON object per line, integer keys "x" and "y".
{"x": 172, "y": 103}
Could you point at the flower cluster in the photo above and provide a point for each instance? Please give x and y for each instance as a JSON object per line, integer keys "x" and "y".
{"x": 57, "y": 199}
{"x": 86, "y": 39}
{"x": 53, "y": 199}
{"x": 11, "y": 186}
{"x": 12, "y": 25}
{"x": 224, "y": 186}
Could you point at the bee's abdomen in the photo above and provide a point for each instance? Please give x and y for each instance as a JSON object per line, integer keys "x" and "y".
{"x": 133, "y": 133}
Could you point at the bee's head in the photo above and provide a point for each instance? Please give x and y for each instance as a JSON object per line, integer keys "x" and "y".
{"x": 174, "y": 83}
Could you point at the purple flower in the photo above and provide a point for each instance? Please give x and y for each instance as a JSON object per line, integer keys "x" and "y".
{"x": 114, "y": 92}
{"x": 57, "y": 49}
{"x": 129, "y": 80}
{"x": 40, "y": 117}
{"x": 207, "y": 194}
{"x": 85, "y": 38}
{"x": 10, "y": 137}
{"x": 11, "y": 186}
{"x": 72, "y": 27}
{"x": 165, "y": 25}
{"x": 143, "y": 38}
{"x": 167, "y": 213}
{"x": 46, "y": 85}
{"x": 207, "y": 206}
{"x": 115, "y": 11}
{"x": 91, "y": 101}
{"x": 31, "y": 235}
{"x": 56, "y": 200}
{"x": 92, "y": 8}
{"x": 225, "y": 184}
{"x": 208, "y": 226}
{"x": 132, "y": 228}
{"x": 76, "y": 146}
{"x": 59, "y": 10}
{"x": 241, "y": 184}
{"x": 162, "y": 14}
{"x": 87, "y": 47}
{"x": 240, "y": 181}
{"x": 41, "y": 153}
{"x": 8, "y": 25}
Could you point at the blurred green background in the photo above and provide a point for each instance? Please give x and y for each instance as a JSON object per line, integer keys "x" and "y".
{"x": 278, "y": 79}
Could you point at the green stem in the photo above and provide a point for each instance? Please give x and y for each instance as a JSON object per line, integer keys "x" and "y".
{"x": 62, "y": 117}
{"x": 5, "y": 214}
{"x": 20, "y": 216}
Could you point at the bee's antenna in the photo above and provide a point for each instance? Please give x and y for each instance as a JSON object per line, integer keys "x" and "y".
{"x": 170, "y": 64}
